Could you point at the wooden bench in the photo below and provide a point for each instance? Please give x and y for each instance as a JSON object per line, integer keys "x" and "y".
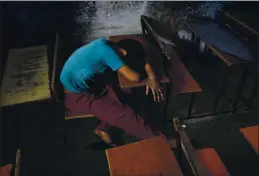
{"x": 252, "y": 136}
{"x": 203, "y": 162}
{"x": 147, "y": 157}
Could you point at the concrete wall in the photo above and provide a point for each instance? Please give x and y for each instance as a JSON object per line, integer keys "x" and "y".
{"x": 104, "y": 18}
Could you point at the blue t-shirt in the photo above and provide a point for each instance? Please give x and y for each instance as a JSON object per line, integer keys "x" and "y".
{"x": 86, "y": 62}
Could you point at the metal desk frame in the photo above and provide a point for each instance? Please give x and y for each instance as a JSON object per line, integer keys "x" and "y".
{"x": 226, "y": 83}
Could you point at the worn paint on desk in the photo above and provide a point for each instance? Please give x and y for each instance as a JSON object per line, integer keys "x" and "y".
{"x": 26, "y": 76}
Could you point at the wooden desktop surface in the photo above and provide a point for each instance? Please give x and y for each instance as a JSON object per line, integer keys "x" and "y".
{"x": 151, "y": 156}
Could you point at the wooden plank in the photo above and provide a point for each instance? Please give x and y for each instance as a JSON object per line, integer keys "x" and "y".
{"x": 210, "y": 159}
{"x": 26, "y": 76}
{"x": 152, "y": 56}
{"x": 55, "y": 59}
{"x": 252, "y": 136}
{"x": 148, "y": 157}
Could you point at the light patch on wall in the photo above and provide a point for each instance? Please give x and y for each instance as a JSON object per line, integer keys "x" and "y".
{"x": 104, "y": 18}
{"x": 113, "y": 18}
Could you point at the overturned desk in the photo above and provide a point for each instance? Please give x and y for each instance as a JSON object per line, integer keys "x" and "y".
{"x": 27, "y": 76}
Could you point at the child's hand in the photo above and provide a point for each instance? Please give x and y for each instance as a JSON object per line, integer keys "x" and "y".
{"x": 154, "y": 86}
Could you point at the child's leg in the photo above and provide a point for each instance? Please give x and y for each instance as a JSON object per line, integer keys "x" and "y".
{"x": 109, "y": 109}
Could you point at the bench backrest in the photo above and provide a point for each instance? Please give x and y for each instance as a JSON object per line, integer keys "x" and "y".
{"x": 240, "y": 28}
{"x": 179, "y": 76}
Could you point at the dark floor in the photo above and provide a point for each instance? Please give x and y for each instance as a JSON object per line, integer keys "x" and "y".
{"x": 52, "y": 146}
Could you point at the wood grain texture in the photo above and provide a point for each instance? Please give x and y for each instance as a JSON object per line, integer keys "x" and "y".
{"x": 210, "y": 159}
{"x": 55, "y": 60}
{"x": 179, "y": 76}
{"x": 252, "y": 136}
{"x": 152, "y": 56}
{"x": 150, "y": 157}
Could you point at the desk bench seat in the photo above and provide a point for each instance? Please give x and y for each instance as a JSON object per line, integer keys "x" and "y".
{"x": 210, "y": 159}
{"x": 147, "y": 157}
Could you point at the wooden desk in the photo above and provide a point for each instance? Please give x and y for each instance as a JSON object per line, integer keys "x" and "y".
{"x": 147, "y": 157}
{"x": 203, "y": 162}
{"x": 26, "y": 76}
{"x": 152, "y": 56}
{"x": 180, "y": 79}
{"x": 199, "y": 30}
{"x": 203, "y": 31}
{"x": 252, "y": 136}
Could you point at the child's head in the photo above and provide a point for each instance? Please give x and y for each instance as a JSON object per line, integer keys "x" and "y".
{"x": 131, "y": 52}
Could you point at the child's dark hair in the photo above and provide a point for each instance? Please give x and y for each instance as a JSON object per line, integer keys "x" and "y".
{"x": 135, "y": 57}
